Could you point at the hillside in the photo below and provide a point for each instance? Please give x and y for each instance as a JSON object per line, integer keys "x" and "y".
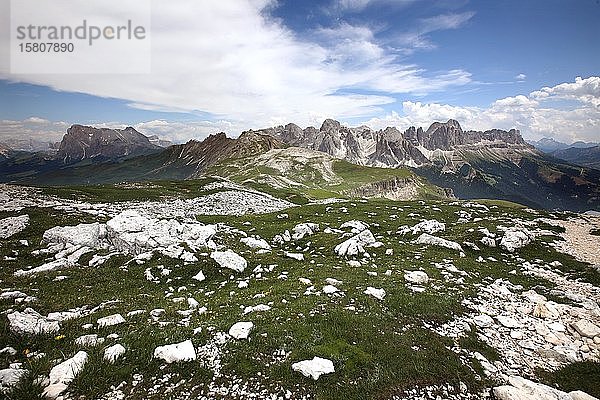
{"x": 207, "y": 289}
{"x": 587, "y": 157}
{"x": 315, "y": 174}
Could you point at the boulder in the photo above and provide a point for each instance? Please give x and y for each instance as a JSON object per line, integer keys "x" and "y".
{"x": 314, "y": 368}
{"x": 586, "y": 328}
{"x": 113, "y": 353}
{"x": 515, "y": 238}
{"x": 254, "y": 243}
{"x": 241, "y": 330}
{"x": 177, "y": 352}
{"x": 110, "y": 320}
{"x": 304, "y": 229}
{"x": 426, "y": 238}
{"x": 379, "y": 294}
{"x": 229, "y": 259}
{"x": 10, "y": 377}
{"x": 63, "y": 374}
{"x": 356, "y": 244}
{"x": 416, "y": 277}
{"x": 31, "y": 322}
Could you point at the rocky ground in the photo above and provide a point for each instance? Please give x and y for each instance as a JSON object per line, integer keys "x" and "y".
{"x": 233, "y": 293}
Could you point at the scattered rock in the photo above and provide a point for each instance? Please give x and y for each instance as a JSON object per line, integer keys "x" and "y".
{"x": 295, "y": 256}
{"x": 229, "y": 259}
{"x": 31, "y": 322}
{"x": 515, "y": 238}
{"x": 241, "y": 330}
{"x": 113, "y": 353}
{"x": 177, "y": 352}
{"x": 416, "y": 277}
{"x": 426, "y": 238}
{"x": 111, "y": 320}
{"x": 314, "y": 368}
{"x": 377, "y": 293}
{"x": 64, "y": 373}
{"x": 356, "y": 244}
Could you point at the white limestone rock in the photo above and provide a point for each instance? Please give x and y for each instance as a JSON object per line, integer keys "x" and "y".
{"x": 515, "y": 238}
{"x": 428, "y": 226}
{"x": 256, "y": 243}
{"x": 356, "y": 245}
{"x": 241, "y": 330}
{"x": 330, "y": 289}
{"x": 488, "y": 241}
{"x": 199, "y": 276}
{"x": 314, "y": 368}
{"x": 229, "y": 259}
{"x": 483, "y": 320}
{"x": 32, "y": 323}
{"x": 89, "y": 235}
{"x": 110, "y": 320}
{"x": 177, "y": 352}
{"x": 523, "y": 389}
{"x": 416, "y": 277}
{"x": 12, "y": 225}
{"x": 89, "y": 340}
{"x": 113, "y": 353}
{"x": 379, "y": 294}
{"x": 426, "y": 238}
{"x": 586, "y": 328}
{"x": 64, "y": 373}
{"x": 257, "y": 308}
{"x": 10, "y": 377}
{"x": 295, "y": 256}
{"x": 304, "y": 229}
{"x": 355, "y": 225}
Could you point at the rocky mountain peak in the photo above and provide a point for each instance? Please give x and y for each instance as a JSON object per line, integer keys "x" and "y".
{"x": 330, "y": 125}
{"x": 86, "y": 142}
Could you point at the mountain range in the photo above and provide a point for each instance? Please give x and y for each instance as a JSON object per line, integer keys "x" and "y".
{"x": 493, "y": 164}
{"x": 549, "y": 145}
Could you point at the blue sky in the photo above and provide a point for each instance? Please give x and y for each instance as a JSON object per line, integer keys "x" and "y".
{"x": 256, "y": 63}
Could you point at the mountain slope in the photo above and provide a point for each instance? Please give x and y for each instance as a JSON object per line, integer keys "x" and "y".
{"x": 177, "y": 162}
{"x": 587, "y": 157}
{"x": 317, "y": 175}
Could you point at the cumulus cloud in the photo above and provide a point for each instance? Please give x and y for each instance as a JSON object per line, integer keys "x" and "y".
{"x": 535, "y": 115}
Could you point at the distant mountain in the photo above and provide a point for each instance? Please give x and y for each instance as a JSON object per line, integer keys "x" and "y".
{"x": 154, "y": 139}
{"x": 29, "y": 145}
{"x": 5, "y": 150}
{"x": 549, "y": 145}
{"x": 442, "y": 142}
{"x": 176, "y": 162}
{"x": 587, "y": 156}
{"x": 493, "y": 164}
{"x": 85, "y": 142}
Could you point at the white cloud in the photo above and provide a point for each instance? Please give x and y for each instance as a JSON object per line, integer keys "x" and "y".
{"x": 583, "y": 90}
{"x": 417, "y": 38}
{"x": 230, "y": 60}
{"x": 354, "y": 6}
{"x": 34, "y": 128}
{"x": 521, "y": 77}
{"x": 534, "y": 115}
